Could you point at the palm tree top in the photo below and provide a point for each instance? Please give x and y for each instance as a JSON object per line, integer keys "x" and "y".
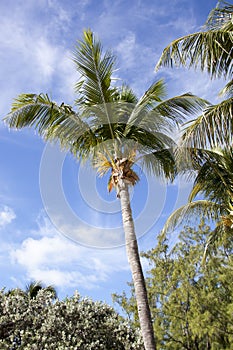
{"x": 34, "y": 287}
{"x": 108, "y": 119}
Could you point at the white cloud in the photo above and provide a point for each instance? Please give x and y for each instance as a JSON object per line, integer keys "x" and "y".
{"x": 65, "y": 278}
{"x": 126, "y": 48}
{"x": 56, "y": 260}
{"x": 62, "y": 15}
{"x": 46, "y": 56}
{"x": 6, "y": 216}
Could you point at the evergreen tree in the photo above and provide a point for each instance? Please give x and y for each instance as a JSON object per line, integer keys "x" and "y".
{"x": 191, "y": 303}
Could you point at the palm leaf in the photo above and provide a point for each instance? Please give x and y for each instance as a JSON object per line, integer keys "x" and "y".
{"x": 227, "y": 91}
{"x": 160, "y": 163}
{"x": 102, "y": 163}
{"x": 179, "y": 108}
{"x": 125, "y": 94}
{"x": 193, "y": 210}
{"x": 156, "y": 115}
{"x": 215, "y": 177}
{"x": 215, "y": 123}
{"x": 221, "y": 235}
{"x": 220, "y": 17}
{"x": 145, "y": 104}
{"x": 210, "y": 49}
{"x": 96, "y": 70}
{"x": 53, "y": 122}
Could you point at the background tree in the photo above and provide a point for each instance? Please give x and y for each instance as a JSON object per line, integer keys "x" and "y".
{"x": 191, "y": 304}
{"x": 32, "y": 289}
{"x": 210, "y": 50}
{"x": 115, "y": 130}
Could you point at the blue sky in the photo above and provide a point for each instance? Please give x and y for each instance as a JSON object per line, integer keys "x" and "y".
{"x": 39, "y": 185}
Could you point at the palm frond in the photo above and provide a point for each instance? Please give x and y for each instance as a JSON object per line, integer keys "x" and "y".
{"x": 156, "y": 115}
{"x": 155, "y": 93}
{"x": 215, "y": 177}
{"x": 215, "y": 123}
{"x": 37, "y": 111}
{"x": 96, "y": 70}
{"x": 30, "y": 109}
{"x": 53, "y": 122}
{"x": 227, "y": 91}
{"x": 211, "y": 51}
{"x": 102, "y": 167}
{"x": 220, "y": 17}
{"x": 145, "y": 104}
{"x": 110, "y": 184}
{"x": 33, "y": 288}
{"x": 125, "y": 94}
{"x": 191, "y": 211}
{"x": 181, "y": 107}
{"x": 160, "y": 163}
{"x": 216, "y": 238}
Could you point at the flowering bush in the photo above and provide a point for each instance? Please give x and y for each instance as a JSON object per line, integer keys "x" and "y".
{"x": 72, "y": 324}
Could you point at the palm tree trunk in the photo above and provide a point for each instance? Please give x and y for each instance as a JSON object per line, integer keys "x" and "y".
{"x": 136, "y": 269}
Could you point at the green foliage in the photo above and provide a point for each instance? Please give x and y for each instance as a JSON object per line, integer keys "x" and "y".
{"x": 191, "y": 303}
{"x": 214, "y": 181}
{"x": 211, "y": 51}
{"x": 74, "y": 324}
{"x": 213, "y": 128}
{"x": 108, "y": 116}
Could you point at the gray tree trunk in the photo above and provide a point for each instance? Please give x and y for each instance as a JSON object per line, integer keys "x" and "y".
{"x": 136, "y": 269}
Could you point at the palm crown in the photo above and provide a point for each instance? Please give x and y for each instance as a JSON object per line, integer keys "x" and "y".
{"x": 110, "y": 122}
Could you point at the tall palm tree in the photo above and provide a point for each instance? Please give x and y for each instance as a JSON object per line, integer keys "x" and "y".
{"x": 210, "y": 50}
{"x": 115, "y": 130}
{"x": 214, "y": 181}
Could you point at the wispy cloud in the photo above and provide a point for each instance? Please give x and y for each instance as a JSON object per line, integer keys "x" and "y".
{"x": 35, "y": 56}
{"x": 7, "y": 214}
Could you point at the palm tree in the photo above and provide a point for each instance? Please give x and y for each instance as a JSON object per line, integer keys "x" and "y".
{"x": 30, "y": 293}
{"x": 210, "y": 50}
{"x": 115, "y": 130}
{"x": 214, "y": 180}
{"x": 34, "y": 287}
